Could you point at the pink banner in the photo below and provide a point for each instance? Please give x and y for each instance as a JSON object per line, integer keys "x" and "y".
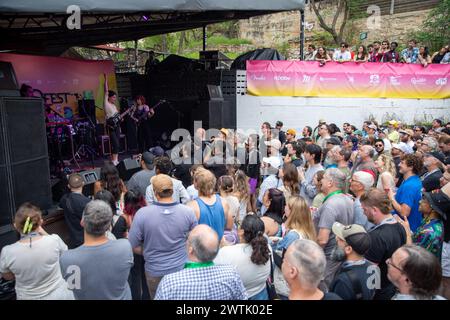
{"x": 348, "y": 80}
{"x": 62, "y": 81}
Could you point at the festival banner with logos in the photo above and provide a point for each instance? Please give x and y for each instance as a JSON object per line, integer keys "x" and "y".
{"x": 61, "y": 82}
{"x": 348, "y": 80}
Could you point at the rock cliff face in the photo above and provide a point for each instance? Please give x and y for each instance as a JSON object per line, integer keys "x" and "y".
{"x": 283, "y": 28}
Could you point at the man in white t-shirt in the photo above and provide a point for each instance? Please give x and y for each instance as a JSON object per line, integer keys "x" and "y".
{"x": 343, "y": 54}
{"x": 114, "y": 131}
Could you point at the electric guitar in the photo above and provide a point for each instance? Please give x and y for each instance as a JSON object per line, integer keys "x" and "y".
{"x": 146, "y": 116}
{"x": 115, "y": 120}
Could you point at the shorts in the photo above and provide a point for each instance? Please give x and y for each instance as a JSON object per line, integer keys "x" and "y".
{"x": 252, "y": 183}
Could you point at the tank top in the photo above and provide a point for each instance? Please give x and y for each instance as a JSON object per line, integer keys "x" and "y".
{"x": 212, "y": 215}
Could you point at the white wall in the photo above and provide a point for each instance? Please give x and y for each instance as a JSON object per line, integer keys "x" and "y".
{"x": 297, "y": 112}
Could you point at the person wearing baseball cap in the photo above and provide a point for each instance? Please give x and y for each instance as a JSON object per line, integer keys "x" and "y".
{"x": 406, "y": 137}
{"x": 290, "y": 138}
{"x": 73, "y": 204}
{"x": 141, "y": 179}
{"x": 393, "y": 135}
{"x": 351, "y": 281}
{"x": 434, "y": 207}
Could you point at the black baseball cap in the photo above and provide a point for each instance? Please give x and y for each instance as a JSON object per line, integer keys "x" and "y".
{"x": 148, "y": 158}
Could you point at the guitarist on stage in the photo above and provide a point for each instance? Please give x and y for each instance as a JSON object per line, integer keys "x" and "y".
{"x": 114, "y": 131}
{"x": 140, "y": 116}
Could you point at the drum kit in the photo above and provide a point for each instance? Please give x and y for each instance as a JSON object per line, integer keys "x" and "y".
{"x": 69, "y": 141}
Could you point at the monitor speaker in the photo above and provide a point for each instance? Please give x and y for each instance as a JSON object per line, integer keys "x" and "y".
{"x": 127, "y": 168}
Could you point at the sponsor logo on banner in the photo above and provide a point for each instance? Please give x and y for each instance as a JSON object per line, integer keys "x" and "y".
{"x": 374, "y": 79}
{"x": 281, "y": 78}
{"x": 258, "y": 78}
{"x": 418, "y": 80}
{"x": 394, "y": 81}
{"x": 327, "y": 79}
{"x": 351, "y": 79}
{"x": 441, "y": 81}
{"x": 306, "y": 79}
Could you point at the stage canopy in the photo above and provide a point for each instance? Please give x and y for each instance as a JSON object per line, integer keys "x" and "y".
{"x": 40, "y": 26}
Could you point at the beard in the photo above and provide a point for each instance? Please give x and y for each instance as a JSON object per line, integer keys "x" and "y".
{"x": 338, "y": 254}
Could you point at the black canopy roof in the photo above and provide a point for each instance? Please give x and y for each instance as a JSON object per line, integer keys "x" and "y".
{"x": 40, "y": 26}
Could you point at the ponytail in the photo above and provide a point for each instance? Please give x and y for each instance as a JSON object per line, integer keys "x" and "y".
{"x": 260, "y": 249}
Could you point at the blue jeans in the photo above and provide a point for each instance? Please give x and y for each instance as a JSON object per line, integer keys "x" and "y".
{"x": 260, "y": 296}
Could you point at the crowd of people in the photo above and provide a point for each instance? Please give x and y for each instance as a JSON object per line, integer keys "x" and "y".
{"x": 328, "y": 214}
{"x": 383, "y": 51}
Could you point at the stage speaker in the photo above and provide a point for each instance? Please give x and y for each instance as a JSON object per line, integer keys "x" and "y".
{"x": 24, "y": 164}
{"x": 127, "y": 168}
{"x": 216, "y": 114}
{"x": 86, "y": 109}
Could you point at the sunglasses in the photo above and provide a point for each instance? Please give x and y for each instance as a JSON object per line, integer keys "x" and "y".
{"x": 389, "y": 263}
{"x": 378, "y": 145}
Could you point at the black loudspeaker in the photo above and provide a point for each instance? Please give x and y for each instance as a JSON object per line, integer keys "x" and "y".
{"x": 216, "y": 114}
{"x": 24, "y": 164}
{"x": 59, "y": 188}
{"x": 86, "y": 109}
{"x": 8, "y": 80}
{"x": 127, "y": 168}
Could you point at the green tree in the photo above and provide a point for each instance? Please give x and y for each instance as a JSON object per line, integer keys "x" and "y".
{"x": 342, "y": 11}
{"x": 435, "y": 31}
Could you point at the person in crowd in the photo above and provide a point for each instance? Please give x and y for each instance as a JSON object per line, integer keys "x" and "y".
{"x": 138, "y": 284}
{"x": 192, "y": 192}
{"x": 446, "y": 58}
{"x": 322, "y": 56}
{"x": 317, "y": 180}
{"x": 406, "y": 200}
{"x": 290, "y": 180}
{"x": 313, "y": 155}
{"x": 33, "y": 261}
{"x": 307, "y": 132}
{"x": 384, "y": 48}
{"x": 303, "y": 268}
{"x": 343, "y": 54}
{"x": 383, "y": 135}
{"x": 362, "y": 55}
{"x": 376, "y": 54}
{"x": 365, "y": 161}
{"x": 110, "y": 180}
{"x": 357, "y": 278}
{"x": 225, "y": 185}
{"x": 273, "y": 218}
{"x": 311, "y": 54}
{"x": 429, "y": 234}
{"x": 386, "y": 237}
{"x": 290, "y": 138}
{"x": 424, "y": 56}
{"x": 266, "y": 130}
{"x": 393, "y": 135}
{"x": 386, "y": 173}
{"x": 163, "y": 165}
{"x": 271, "y": 167}
{"x": 118, "y": 222}
{"x": 242, "y": 193}
{"x": 73, "y": 204}
{"x": 140, "y": 115}
{"x": 429, "y": 144}
{"x": 431, "y": 179}
{"x": 201, "y": 279}
{"x": 406, "y": 136}
{"x": 392, "y": 55}
{"x": 360, "y": 183}
{"x": 281, "y": 134}
{"x": 437, "y": 125}
{"x": 250, "y": 257}
{"x": 416, "y": 274}
{"x": 159, "y": 231}
{"x": 298, "y": 225}
{"x": 336, "y": 207}
{"x": 411, "y": 53}
{"x": 324, "y": 135}
{"x": 379, "y": 148}
{"x": 141, "y": 179}
{"x": 101, "y": 265}
{"x": 444, "y": 147}
{"x": 439, "y": 55}
{"x": 210, "y": 208}
{"x": 294, "y": 154}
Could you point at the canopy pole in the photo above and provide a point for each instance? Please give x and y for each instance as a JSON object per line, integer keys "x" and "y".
{"x": 302, "y": 33}
{"x": 204, "y": 38}
{"x": 135, "y": 54}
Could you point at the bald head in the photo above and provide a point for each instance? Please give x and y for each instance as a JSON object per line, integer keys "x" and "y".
{"x": 202, "y": 243}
